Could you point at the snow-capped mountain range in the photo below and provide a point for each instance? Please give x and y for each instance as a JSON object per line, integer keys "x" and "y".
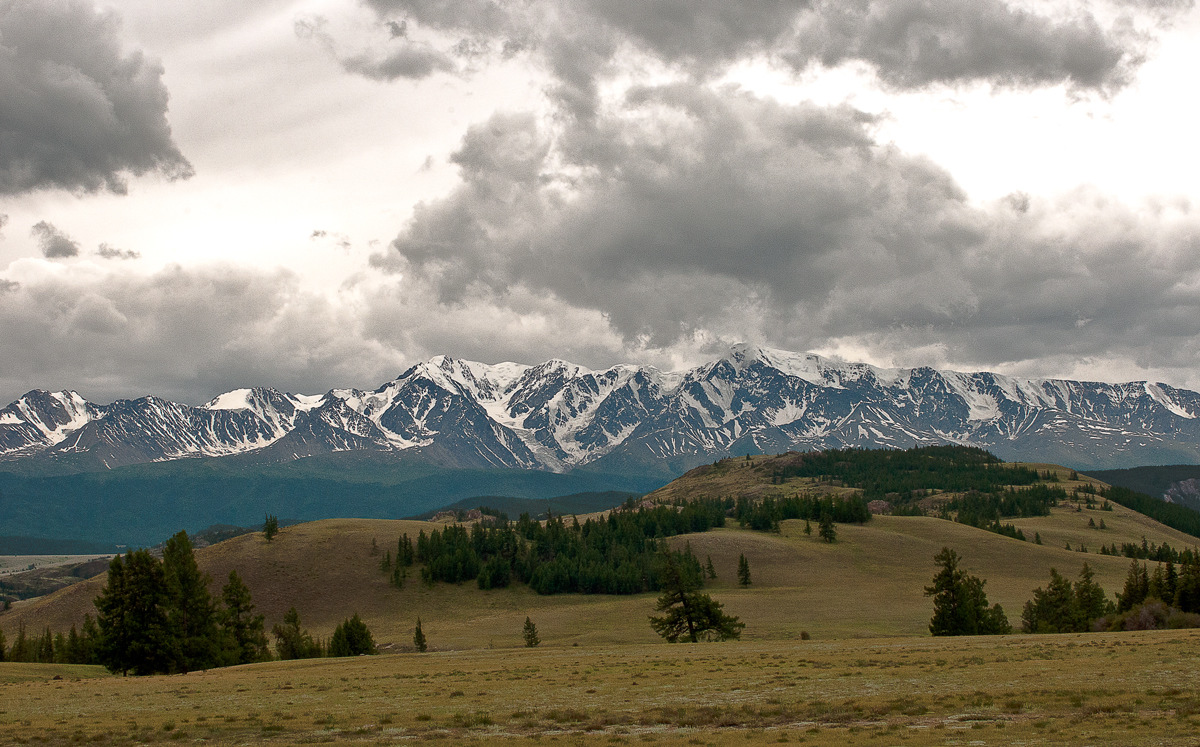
{"x": 558, "y": 416}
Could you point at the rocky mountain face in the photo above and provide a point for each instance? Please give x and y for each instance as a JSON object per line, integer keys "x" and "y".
{"x": 558, "y": 416}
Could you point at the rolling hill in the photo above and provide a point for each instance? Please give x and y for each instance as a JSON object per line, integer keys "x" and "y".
{"x": 869, "y": 583}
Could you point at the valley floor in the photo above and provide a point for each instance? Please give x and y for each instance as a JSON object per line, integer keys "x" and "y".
{"x": 1095, "y": 689}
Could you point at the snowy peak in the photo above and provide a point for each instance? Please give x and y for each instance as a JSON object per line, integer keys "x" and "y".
{"x": 558, "y": 416}
{"x": 41, "y": 418}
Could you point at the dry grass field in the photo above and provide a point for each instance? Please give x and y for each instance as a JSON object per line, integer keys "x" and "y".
{"x": 835, "y": 651}
{"x": 1093, "y": 689}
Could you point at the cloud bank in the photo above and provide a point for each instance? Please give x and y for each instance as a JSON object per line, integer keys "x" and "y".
{"x": 717, "y": 215}
{"x": 649, "y": 213}
{"x": 76, "y": 111}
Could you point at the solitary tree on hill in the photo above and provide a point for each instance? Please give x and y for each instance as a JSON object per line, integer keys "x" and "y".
{"x": 710, "y": 570}
{"x": 270, "y": 527}
{"x": 743, "y": 570}
{"x": 419, "y": 638}
{"x": 531, "y": 634}
{"x": 827, "y": 530}
{"x": 690, "y": 615}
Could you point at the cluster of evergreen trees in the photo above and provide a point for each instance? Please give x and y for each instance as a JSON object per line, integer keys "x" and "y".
{"x": 158, "y": 616}
{"x": 980, "y": 509}
{"x": 1167, "y": 584}
{"x": 960, "y": 605}
{"x": 615, "y": 555}
{"x": 764, "y": 515}
{"x": 1063, "y": 607}
{"x": 1149, "y": 551}
{"x": 53, "y": 648}
{"x": 1168, "y": 597}
{"x": 904, "y": 476}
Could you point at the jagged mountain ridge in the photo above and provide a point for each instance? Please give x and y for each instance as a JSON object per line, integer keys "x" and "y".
{"x": 558, "y": 416}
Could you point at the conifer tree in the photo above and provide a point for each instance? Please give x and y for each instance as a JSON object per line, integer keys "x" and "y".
{"x": 826, "y": 529}
{"x": 45, "y": 647}
{"x": 404, "y": 551}
{"x": 690, "y": 614}
{"x": 710, "y": 570}
{"x": 244, "y": 639}
{"x": 1052, "y": 609}
{"x": 351, "y": 638}
{"x": 807, "y": 527}
{"x": 1187, "y": 590}
{"x": 60, "y": 648}
{"x": 22, "y": 648}
{"x": 1090, "y": 599}
{"x": 74, "y": 653}
{"x": 89, "y": 641}
{"x": 131, "y": 616}
{"x": 960, "y": 603}
{"x": 2, "y": 654}
{"x": 1063, "y": 608}
{"x": 293, "y": 642}
{"x": 531, "y": 634}
{"x": 419, "y": 638}
{"x": 1136, "y": 589}
{"x": 743, "y": 571}
{"x": 191, "y": 612}
{"x": 270, "y": 527}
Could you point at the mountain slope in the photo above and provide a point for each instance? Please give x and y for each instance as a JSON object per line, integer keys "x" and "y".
{"x": 559, "y": 416}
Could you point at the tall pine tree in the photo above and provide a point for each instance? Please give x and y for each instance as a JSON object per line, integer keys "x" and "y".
{"x": 292, "y": 641}
{"x": 959, "y": 602}
{"x": 244, "y": 639}
{"x": 191, "y": 612}
{"x": 131, "y": 616}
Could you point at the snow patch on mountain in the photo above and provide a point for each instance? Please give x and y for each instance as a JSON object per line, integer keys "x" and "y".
{"x": 1158, "y": 395}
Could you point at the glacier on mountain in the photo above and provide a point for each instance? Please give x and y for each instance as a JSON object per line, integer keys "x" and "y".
{"x": 559, "y": 416}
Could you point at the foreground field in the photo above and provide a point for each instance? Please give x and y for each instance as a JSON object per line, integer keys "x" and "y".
{"x": 1097, "y": 689}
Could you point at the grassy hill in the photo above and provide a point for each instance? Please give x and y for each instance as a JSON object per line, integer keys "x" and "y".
{"x": 870, "y": 675}
{"x": 869, "y": 583}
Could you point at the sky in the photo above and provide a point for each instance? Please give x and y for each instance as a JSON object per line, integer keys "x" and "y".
{"x": 307, "y": 194}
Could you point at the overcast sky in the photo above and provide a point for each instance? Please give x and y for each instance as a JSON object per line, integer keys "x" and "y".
{"x": 305, "y": 194}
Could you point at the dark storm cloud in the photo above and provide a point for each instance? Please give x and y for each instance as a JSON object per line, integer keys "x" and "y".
{"x": 726, "y": 216}
{"x": 181, "y": 333}
{"x": 910, "y": 43}
{"x": 76, "y": 112}
{"x": 54, "y": 243}
{"x": 108, "y": 251}
{"x": 191, "y": 333}
{"x": 913, "y": 43}
{"x": 402, "y": 59}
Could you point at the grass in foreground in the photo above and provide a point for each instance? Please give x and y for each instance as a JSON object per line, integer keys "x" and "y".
{"x": 1100, "y": 689}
